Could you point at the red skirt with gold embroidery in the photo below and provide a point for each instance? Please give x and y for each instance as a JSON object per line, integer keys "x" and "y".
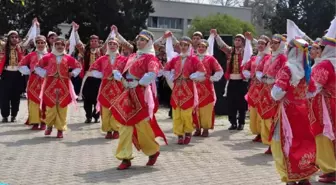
{"x": 316, "y": 113}
{"x": 206, "y": 93}
{"x": 182, "y": 94}
{"x": 56, "y": 91}
{"x": 109, "y": 92}
{"x": 253, "y": 94}
{"x": 266, "y": 107}
{"x": 34, "y": 88}
{"x": 300, "y": 163}
{"x": 130, "y": 107}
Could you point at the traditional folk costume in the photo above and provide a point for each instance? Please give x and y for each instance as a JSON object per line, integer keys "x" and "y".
{"x": 57, "y": 90}
{"x": 267, "y": 107}
{"x": 90, "y": 85}
{"x": 253, "y": 95}
{"x": 9, "y": 72}
{"x": 134, "y": 108}
{"x": 184, "y": 70}
{"x": 322, "y": 110}
{"x": 110, "y": 89}
{"x": 27, "y": 67}
{"x": 206, "y": 91}
{"x": 236, "y": 84}
{"x": 293, "y": 145}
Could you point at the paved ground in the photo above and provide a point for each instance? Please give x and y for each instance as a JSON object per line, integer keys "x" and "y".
{"x": 85, "y": 157}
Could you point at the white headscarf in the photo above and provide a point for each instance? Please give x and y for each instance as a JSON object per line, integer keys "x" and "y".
{"x": 56, "y": 53}
{"x": 111, "y": 53}
{"x": 281, "y": 50}
{"x": 188, "y": 53}
{"x": 329, "y": 53}
{"x": 295, "y": 65}
{"x": 148, "y": 49}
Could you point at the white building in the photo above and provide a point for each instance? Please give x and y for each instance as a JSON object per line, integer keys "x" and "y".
{"x": 177, "y": 16}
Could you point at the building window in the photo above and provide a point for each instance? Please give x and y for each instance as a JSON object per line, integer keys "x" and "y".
{"x": 189, "y": 23}
{"x": 165, "y": 22}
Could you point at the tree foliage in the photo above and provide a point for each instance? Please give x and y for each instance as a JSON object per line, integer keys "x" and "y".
{"x": 312, "y": 16}
{"x": 224, "y": 24}
{"x": 94, "y": 17}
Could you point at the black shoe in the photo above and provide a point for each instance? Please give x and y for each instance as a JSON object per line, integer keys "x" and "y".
{"x": 240, "y": 127}
{"x": 4, "y": 120}
{"x": 233, "y": 127}
{"x": 96, "y": 120}
{"x": 88, "y": 120}
{"x": 13, "y": 119}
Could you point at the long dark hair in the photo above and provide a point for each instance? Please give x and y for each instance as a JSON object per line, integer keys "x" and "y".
{"x": 87, "y": 53}
{"x": 232, "y": 58}
{"x": 7, "y": 52}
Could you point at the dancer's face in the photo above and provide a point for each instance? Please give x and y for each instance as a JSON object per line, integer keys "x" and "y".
{"x": 195, "y": 40}
{"x": 184, "y": 47}
{"x": 40, "y": 45}
{"x": 59, "y": 46}
{"x": 94, "y": 43}
{"x": 13, "y": 39}
{"x": 141, "y": 43}
{"x": 113, "y": 46}
{"x": 275, "y": 45}
{"x": 52, "y": 39}
{"x": 201, "y": 48}
{"x": 315, "y": 52}
{"x": 238, "y": 42}
{"x": 261, "y": 46}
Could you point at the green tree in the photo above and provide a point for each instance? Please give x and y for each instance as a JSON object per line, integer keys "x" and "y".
{"x": 14, "y": 16}
{"x": 94, "y": 17}
{"x": 224, "y": 24}
{"x": 312, "y": 16}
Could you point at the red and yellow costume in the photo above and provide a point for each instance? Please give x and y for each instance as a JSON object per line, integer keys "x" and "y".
{"x": 134, "y": 107}
{"x": 206, "y": 93}
{"x": 293, "y": 145}
{"x": 322, "y": 110}
{"x": 57, "y": 90}
{"x": 36, "y": 115}
{"x": 250, "y": 68}
{"x": 109, "y": 90}
{"x": 184, "y": 97}
{"x": 253, "y": 94}
{"x": 267, "y": 107}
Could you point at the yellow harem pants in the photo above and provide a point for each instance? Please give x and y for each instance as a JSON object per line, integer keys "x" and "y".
{"x": 56, "y": 116}
{"x": 109, "y": 123}
{"x": 33, "y": 112}
{"x": 265, "y": 128}
{"x": 205, "y": 116}
{"x": 325, "y": 154}
{"x": 146, "y": 139}
{"x": 255, "y": 121}
{"x": 182, "y": 121}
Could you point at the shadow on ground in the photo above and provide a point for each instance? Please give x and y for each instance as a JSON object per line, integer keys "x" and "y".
{"x": 113, "y": 175}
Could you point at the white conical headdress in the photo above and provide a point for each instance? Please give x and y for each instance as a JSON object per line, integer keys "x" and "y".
{"x": 332, "y": 29}
{"x": 293, "y": 31}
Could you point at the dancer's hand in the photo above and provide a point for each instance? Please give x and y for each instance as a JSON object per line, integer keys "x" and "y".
{"x": 133, "y": 84}
{"x": 213, "y": 31}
